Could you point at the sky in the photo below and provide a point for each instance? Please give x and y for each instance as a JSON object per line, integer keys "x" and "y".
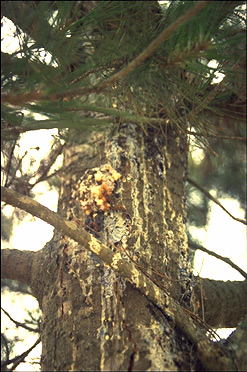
{"x": 222, "y": 234}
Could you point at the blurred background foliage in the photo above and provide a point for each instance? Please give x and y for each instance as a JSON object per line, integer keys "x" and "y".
{"x": 224, "y": 172}
{"x": 65, "y": 48}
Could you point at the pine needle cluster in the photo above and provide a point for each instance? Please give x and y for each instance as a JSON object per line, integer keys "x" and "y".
{"x": 77, "y": 60}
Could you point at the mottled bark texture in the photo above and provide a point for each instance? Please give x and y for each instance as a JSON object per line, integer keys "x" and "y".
{"x": 93, "y": 319}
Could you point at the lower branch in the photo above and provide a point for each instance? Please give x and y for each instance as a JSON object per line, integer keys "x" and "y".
{"x": 17, "y": 265}
{"x": 223, "y": 304}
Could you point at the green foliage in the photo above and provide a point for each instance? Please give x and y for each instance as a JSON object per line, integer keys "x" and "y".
{"x": 67, "y": 47}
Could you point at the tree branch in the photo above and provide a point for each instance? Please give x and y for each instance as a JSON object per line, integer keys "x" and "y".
{"x": 19, "y": 324}
{"x": 227, "y": 260}
{"x": 20, "y": 358}
{"x": 37, "y": 96}
{"x": 216, "y": 201}
{"x": 222, "y": 303}
{"x": 46, "y": 164}
{"x": 17, "y": 265}
{"x": 211, "y": 355}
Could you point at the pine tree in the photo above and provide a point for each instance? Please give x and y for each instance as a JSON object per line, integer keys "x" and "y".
{"x": 126, "y": 84}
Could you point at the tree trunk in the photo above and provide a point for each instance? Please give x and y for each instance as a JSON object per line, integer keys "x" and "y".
{"x": 92, "y": 318}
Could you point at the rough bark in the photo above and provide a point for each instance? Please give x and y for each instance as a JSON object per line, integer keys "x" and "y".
{"x": 119, "y": 328}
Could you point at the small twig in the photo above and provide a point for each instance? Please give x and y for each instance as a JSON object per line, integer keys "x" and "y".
{"x": 46, "y": 164}
{"x": 216, "y": 201}
{"x": 113, "y": 64}
{"x": 224, "y": 259}
{"x": 203, "y": 324}
{"x": 18, "y": 324}
{"x": 20, "y": 358}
